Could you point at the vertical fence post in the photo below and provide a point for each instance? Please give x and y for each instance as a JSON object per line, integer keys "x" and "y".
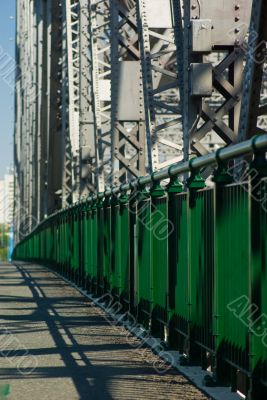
{"x": 100, "y": 247}
{"x": 174, "y": 189}
{"x": 144, "y": 288}
{"x": 257, "y": 387}
{"x": 79, "y": 211}
{"x": 82, "y": 243}
{"x": 133, "y": 248}
{"x": 64, "y": 240}
{"x": 88, "y": 244}
{"x": 196, "y": 317}
{"x": 124, "y": 227}
{"x": 231, "y": 276}
{"x": 115, "y": 248}
{"x": 76, "y": 243}
{"x": 158, "y": 227}
{"x": 94, "y": 239}
{"x": 107, "y": 243}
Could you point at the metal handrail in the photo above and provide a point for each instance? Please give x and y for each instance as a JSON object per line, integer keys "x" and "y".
{"x": 256, "y": 144}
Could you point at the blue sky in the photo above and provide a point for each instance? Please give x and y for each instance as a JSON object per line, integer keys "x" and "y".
{"x": 7, "y": 46}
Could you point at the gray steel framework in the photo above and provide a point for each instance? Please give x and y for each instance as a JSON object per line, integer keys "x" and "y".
{"x": 127, "y": 106}
{"x": 110, "y": 90}
{"x": 254, "y": 108}
{"x": 101, "y": 75}
{"x": 160, "y": 80}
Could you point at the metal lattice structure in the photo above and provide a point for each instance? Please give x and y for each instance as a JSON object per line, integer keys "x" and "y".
{"x": 110, "y": 90}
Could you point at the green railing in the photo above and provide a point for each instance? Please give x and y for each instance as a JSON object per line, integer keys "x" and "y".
{"x": 188, "y": 261}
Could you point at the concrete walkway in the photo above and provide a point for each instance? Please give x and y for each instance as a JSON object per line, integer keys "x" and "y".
{"x": 55, "y": 344}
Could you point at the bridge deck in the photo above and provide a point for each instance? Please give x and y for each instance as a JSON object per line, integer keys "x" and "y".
{"x": 55, "y": 344}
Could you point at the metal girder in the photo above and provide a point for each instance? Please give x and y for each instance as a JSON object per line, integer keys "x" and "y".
{"x": 109, "y": 90}
{"x": 160, "y": 80}
{"x": 18, "y": 145}
{"x": 127, "y": 104}
{"x": 55, "y": 148}
{"x": 101, "y": 80}
{"x": 70, "y": 101}
{"x": 28, "y": 134}
{"x": 212, "y": 88}
{"x": 253, "y": 119}
{"x": 87, "y": 118}
{"x": 42, "y": 109}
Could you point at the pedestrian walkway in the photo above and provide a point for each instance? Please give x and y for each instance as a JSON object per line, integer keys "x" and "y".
{"x": 56, "y": 344}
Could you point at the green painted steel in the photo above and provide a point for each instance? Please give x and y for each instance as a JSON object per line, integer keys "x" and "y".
{"x": 124, "y": 244}
{"x": 178, "y": 267}
{"x": 115, "y": 248}
{"x": 232, "y": 275}
{"x": 143, "y": 286}
{"x": 256, "y": 320}
{"x": 201, "y": 267}
{"x": 106, "y": 237}
{"x": 189, "y": 262}
{"x": 158, "y": 228}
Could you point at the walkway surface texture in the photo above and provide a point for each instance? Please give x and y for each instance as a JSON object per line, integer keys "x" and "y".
{"x": 56, "y": 344}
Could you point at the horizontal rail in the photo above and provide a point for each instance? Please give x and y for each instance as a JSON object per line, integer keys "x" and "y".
{"x": 257, "y": 143}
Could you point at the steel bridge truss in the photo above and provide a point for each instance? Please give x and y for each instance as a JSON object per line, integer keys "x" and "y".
{"x": 109, "y": 90}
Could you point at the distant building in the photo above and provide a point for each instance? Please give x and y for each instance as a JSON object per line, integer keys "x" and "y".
{"x": 6, "y": 199}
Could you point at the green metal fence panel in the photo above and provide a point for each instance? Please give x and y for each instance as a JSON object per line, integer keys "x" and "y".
{"x": 232, "y": 265}
{"x": 158, "y": 227}
{"x": 115, "y": 248}
{"x": 190, "y": 263}
{"x": 66, "y": 244}
{"x": 144, "y": 289}
{"x": 88, "y": 244}
{"x": 100, "y": 248}
{"x": 62, "y": 250}
{"x": 124, "y": 254}
{"x": 133, "y": 251}
{"x": 94, "y": 252}
{"x": 71, "y": 243}
{"x": 254, "y": 313}
{"x": 49, "y": 243}
{"x": 178, "y": 268}
{"x": 76, "y": 237}
{"x": 107, "y": 242}
{"x": 201, "y": 269}
{"x": 83, "y": 243}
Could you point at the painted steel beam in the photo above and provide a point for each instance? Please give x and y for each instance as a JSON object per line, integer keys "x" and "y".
{"x": 212, "y": 80}
{"x": 127, "y": 103}
{"x": 70, "y": 101}
{"x": 86, "y": 114}
{"x": 110, "y": 90}
{"x": 253, "y": 119}
{"x": 101, "y": 87}
{"x": 160, "y": 81}
{"x": 55, "y": 134}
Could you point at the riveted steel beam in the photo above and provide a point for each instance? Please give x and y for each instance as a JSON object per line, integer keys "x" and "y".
{"x": 253, "y": 119}
{"x": 160, "y": 81}
{"x": 101, "y": 81}
{"x": 87, "y": 119}
{"x": 213, "y": 65}
{"x": 127, "y": 104}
